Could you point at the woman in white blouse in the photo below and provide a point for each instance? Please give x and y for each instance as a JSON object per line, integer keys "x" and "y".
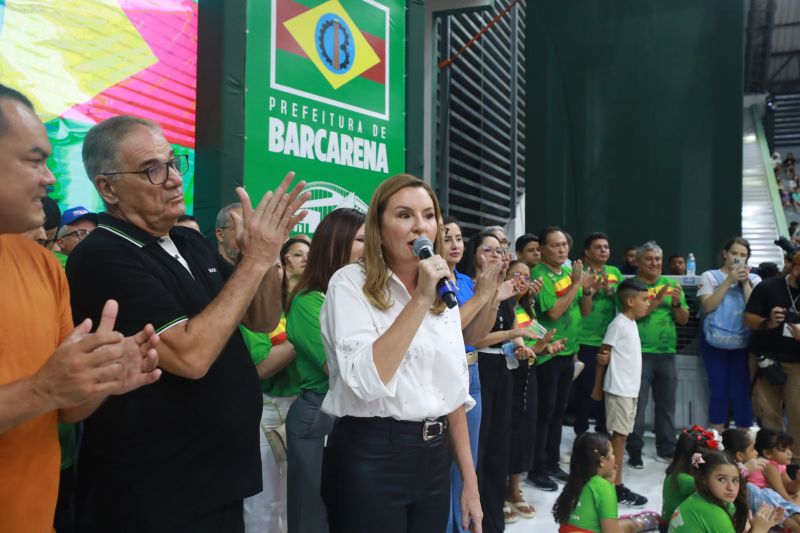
{"x": 398, "y": 378}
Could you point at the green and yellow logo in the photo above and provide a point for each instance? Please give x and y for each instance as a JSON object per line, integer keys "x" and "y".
{"x": 332, "y": 54}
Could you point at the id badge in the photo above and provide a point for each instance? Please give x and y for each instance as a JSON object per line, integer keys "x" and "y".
{"x": 787, "y": 331}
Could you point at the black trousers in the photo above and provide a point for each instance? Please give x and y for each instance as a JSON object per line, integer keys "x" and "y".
{"x": 494, "y": 441}
{"x": 379, "y": 477}
{"x": 226, "y": 519}
{"x": 523, "y": 418}
{"x": 64, "y": 521}
{"x": 554, "y": 378}
{"x": 585, "y": 407}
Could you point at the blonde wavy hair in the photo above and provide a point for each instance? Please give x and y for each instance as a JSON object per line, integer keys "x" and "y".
{"x": 376, "y": 286}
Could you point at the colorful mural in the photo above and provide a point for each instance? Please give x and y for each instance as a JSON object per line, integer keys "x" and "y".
{"x": 82, "y": 61}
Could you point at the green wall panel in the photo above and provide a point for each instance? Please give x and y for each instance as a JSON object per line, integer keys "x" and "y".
{"x": 634, "y": 123}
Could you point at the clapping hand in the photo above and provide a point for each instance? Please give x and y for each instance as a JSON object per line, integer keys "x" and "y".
{"x": 663, "y": 293}
{"x": 589, "y": 282}
{"x": 556, "y": 346}
{"x": 759, "y": 463}
{"x": 139, "y": 355}
{"x": 261, "y": 232}
{"x": 491, "y": 278}
{"x": 90, "y": 365}
{"x": 676, "y": 292}
{"x": 577, "y": 272}
{"x": 523, "y": 353}
{"x": 766, "y": 518}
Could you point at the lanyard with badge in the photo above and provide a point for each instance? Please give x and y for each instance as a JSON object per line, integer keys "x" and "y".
{"x": 792, "y": 316}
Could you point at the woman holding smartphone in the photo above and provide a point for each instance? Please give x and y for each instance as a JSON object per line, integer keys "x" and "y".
{"x": 723, "y": 294}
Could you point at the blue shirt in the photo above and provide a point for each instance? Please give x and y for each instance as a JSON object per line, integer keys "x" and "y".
{"x": 465, "y": 289}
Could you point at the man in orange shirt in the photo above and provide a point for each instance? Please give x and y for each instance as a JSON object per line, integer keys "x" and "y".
{"x": 48, "y": 370}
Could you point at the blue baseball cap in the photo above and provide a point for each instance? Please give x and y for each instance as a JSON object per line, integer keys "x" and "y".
{"x": 75, "y": 214}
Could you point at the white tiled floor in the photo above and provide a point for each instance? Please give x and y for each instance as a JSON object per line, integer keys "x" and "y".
{"x": 647, "y": 482}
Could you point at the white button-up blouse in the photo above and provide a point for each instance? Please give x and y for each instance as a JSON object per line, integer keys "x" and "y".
{"x": 432, "y": 379}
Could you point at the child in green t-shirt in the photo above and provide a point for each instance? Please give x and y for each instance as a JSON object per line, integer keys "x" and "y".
{"x": 740, "y": 448}
{"x": 679, "y": 483}
{"x": 719, "y": 504}
{"x": 588, "y": 502}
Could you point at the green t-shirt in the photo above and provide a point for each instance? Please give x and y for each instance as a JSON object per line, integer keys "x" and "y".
{"x": 604, "y": 308}
{"x": 524, "y": 320}
{"x": 62, "y": 258}
{"x": 555, "y": 286}
{"x": 698, "y": 515}
{"x": 671, "y": 497}
{"x": 657, "y": 330}
{"x": 283, "y": 384}
{"x": 598, "y": 501}
{"x": 303, "y": 329}
{"x": 67, "y": 437}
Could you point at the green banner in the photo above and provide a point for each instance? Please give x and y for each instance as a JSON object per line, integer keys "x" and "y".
{"x": 325, "y": 97}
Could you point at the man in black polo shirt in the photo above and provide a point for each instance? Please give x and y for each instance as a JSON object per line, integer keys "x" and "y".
{"x": 180, "y": 455}
{"x": 772, "y": 311}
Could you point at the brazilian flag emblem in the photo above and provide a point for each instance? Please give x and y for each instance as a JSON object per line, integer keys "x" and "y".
{"x": 333, "y": 54}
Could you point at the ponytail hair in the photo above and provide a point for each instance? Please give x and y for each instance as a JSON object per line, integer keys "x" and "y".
{"x": 587, "y": 451}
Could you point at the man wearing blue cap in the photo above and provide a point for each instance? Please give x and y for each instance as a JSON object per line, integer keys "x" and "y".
{"x": 76, "y": 224}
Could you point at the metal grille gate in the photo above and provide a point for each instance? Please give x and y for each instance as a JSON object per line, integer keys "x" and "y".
{"x": 481, "y": 116}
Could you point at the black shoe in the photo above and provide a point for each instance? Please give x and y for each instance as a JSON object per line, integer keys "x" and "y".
{"x": 557, "y": 474}
{"x": 626, "y": 496}
{"x": 635, "y": 460}
{"x": 664, "y": 457}
{"x": 542, "y": 482}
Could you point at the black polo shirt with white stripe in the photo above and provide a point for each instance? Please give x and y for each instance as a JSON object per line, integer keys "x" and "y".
{"x": 170, "y": 452}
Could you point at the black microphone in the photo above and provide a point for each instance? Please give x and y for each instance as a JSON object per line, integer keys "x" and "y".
{"x": 423, "y": 248}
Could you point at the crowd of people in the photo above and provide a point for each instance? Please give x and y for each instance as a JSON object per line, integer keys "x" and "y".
{"x": 355, "y": 382}
{"x": 787, "y": 179}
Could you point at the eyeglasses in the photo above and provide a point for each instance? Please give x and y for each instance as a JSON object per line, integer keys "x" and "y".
{"x": 524, "y": 277}
{"x": 79, "y": 234}
{"x": 490, "y": 249}
{"x": 297, "y": 254}
{"x": 159, "y": 173}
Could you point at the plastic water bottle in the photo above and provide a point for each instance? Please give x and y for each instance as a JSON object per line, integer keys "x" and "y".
{"x": 691, "y": 266}
{"x": 511, "y": 359}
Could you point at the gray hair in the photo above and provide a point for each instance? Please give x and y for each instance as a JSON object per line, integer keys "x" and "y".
{"x": 101, "y": 145}
{"x": 649, "y": 246}
{"x": 224, "y": 214}
{"x": 492, "y": 229}
{"x": 63, "y": 230}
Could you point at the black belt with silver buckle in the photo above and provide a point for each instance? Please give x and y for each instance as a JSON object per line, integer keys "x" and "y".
{"x": 428, "y": 429}
{"x": 433, "y": 428}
